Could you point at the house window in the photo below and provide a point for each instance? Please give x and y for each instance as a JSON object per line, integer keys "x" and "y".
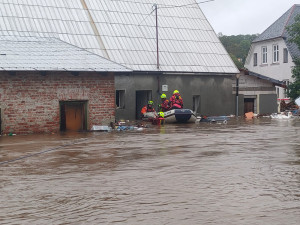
{"x": 264, "y": 55}
{"x": 255, "y": 59}
{"x": 120, "y": 99}
{"x": 285, "y": 55}
{"x": 275, "y": 53}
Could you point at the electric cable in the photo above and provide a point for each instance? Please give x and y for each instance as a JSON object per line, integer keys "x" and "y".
{"x": 178, "y": 6}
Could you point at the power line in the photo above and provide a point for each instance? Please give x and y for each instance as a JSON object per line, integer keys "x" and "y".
{"x": 173, "y": 6}
{"x": 178, "y": 6}
{"x": 146, "y": 17}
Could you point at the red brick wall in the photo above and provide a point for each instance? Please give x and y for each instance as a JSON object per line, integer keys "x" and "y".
{"x": 30, "y": 101}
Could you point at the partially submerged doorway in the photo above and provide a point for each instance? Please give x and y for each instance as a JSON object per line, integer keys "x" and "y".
{"x": 196, "y": 104}
{"x": 249, "y": 105}
{"x": 142, "y": 98}
{"x": 73, "y": 115}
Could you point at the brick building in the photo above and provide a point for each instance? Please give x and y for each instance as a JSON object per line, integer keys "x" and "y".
{"x": 47, "y": 85}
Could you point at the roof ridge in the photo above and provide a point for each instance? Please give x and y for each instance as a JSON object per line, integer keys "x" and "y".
{"x": 277, "y": 28}
{"x": 287, "y": 21}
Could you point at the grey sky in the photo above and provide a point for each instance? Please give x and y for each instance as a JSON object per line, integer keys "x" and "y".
{"x": 233, "y": 17}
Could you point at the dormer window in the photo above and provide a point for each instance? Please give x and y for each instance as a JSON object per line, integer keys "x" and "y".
{"x": 264, "y": 55}
{"x": 275, "y": 53}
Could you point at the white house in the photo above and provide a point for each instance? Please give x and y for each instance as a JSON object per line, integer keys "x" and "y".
{"x": 271, "y": 54}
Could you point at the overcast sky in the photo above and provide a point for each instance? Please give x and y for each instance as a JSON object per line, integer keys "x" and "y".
{"x": 233, "y": 17}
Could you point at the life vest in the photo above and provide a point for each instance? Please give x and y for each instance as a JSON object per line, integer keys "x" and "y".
{"x": 145, "y": 109}
{"x": 176, "y": 101}
{"x": 164, "y": 106}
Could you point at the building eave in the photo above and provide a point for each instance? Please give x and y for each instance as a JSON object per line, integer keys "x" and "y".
{"x": 260, "y": 76}
{"x": 183, "y": 73}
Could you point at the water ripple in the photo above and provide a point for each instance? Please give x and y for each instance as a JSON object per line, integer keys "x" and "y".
{"x": 243, "y": 172}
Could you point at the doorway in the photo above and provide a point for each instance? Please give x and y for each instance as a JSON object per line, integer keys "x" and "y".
{"x": 142, "y": 98}
{"x": 196, "y": 104}
{"x": 249, "y": 105}
{"x": 73, "y": 115}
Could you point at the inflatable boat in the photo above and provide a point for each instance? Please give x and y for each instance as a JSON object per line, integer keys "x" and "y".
{"x": 179, "y": 116}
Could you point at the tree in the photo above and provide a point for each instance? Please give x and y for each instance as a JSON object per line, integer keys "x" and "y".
{"x": 294, "y": 33}
{"x": 236, "y": 61}
{"x": 237, "y": 46}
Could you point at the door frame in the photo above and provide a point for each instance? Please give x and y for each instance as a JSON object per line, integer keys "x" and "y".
{"x": 82, "y": 103}
{"x": 252, "y": 99}
{"x": 147, "y": 95}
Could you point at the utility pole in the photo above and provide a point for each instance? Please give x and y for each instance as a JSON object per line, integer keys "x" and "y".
{"x": 156, "y": 25}
{"x": 237, "y": 95}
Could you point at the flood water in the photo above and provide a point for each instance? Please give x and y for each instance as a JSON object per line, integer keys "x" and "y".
{"x": 243, "y": 172}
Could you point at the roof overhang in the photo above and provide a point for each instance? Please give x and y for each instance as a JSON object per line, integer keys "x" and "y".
{"x": 260, "y": 76}
{"x": 184, "y": 73}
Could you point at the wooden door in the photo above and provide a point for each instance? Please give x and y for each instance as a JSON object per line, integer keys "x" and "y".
{"x": 248, "y": 105}
{"x": 73, "y": 116}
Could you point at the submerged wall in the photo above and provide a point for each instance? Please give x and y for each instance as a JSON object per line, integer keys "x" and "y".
{"x": 268, "y": 103}
{"x": 30, "y": 101}
{"x": 214, "y": 91}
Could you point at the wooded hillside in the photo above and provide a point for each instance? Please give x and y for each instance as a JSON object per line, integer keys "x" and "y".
{"x": 238, "y": 47}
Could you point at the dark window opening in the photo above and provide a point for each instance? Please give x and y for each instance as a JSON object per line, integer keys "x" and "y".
{"x": 285, "y": 55}
{"x": 120, "y": 99}
{"x": 255, "y": 59}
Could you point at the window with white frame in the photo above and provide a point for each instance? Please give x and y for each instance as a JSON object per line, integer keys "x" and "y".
{"x": 285, "y": 55}
{"x": 255, "y": 59}
{"x": 275, "y": 53}
{"x": 264, "y": 55}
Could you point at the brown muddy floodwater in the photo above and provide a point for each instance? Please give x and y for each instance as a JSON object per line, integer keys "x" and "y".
{"x": 243, "y": 172}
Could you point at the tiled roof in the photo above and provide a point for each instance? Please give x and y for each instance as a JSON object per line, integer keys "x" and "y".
{"x": 50, "y": 54}
{"x": 278, "y": 29}
{"x": 124, "y": 31}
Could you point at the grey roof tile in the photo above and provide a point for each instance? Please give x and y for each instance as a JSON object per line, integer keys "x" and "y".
{"x": 126, "y": 27}
{"x": 51, "y": 54}
{"x": 278, "y": 29}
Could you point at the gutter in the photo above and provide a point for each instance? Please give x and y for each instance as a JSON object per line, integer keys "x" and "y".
{"x": 182, "y": 73}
